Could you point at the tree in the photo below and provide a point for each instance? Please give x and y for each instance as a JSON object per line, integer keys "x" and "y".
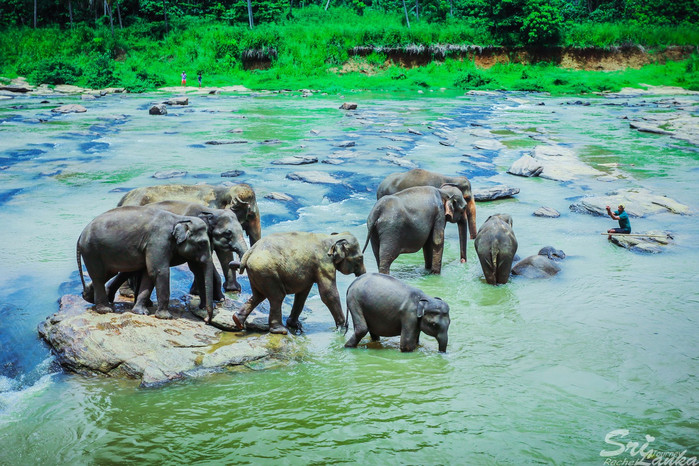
{"x": 250, "y": 14}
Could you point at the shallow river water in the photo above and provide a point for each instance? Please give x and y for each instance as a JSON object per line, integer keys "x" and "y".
{"x": 537, "y": 371}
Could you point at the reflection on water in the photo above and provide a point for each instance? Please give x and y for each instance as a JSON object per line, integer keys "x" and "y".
{"x": 537, "y": 371}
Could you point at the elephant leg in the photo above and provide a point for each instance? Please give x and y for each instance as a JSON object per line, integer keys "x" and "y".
{"x": 114, "y": 285}
{"x": 162, "y": 292}
{"x": 143, "y": 292}
{"x": 101, "y": 300}
{"x": 409, "y": 336}
{"x": 360, "y": 327}
{"x": 374, "y": 337}
{"x": 242, "y": 314}
{"x": 437, "y": 240}
{"x": 428, "y": 253}
{"x": 386, "y": 258}
{"x": 218, "y": 294}
{"x": 299, "y": 300}
{"x": 229, "y": 273}
{"x": 504, "y": 270}
{"x": 275, "y": 315}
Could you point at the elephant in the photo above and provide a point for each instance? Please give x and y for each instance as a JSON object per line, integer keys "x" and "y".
{"x": 418, "y": 177}
{"x": 410, "y": 220}
{"x": 240, "y": 198}
{"x": 496, "y": 246}
{"x": 385, "y": 306}
{"x": 146, "y": 240}
{"x": 290, "y": 263}
{"x": 542, "y": 265}
{"x": 225, "y": 234}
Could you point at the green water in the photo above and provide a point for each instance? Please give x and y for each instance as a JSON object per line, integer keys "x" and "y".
{"x": 536, "y": 371}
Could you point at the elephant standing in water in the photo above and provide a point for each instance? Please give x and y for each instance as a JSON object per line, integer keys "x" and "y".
{"x": 290, "y": 263}
{"x": 496, "y": 246}
{"x": 410, "y": 220}
{"x": 240, "y": 198}
{"x": 418, "y": 177}
{"x": 146, "y": 240}
{"x": 385, "y": 306}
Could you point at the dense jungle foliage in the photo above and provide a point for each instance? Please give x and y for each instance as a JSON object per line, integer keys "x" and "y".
{"x": 144, "y": 44}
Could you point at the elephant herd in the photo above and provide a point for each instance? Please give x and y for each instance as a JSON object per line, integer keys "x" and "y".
{"x": 154, "y": 228}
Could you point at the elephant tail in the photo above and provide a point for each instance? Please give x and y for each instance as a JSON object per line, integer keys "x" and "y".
{"x": 80, "y": 264}
{"x": 370, "y": 227}
{"x": 244, "y": 260}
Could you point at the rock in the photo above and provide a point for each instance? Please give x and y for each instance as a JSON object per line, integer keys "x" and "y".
{"x": 537, "y": 266}
{"x": 156, "y": 351}
{"x": 494, "y": 192}
{"x": 177, "y": 101}
{"x": 295, "y": 160}
{"x": 526, "y": 166}
{"x": 448, "y": 143}
{"x": 546, "y": 212}
{"x": 314, "y": 177}
{"x": 652, "y": 245}
{"x": 647, "y": 128}
{"x": 334, "y": 161}
{"x": 214, "y": 92}
{"x": 488, "y": 144}
{"x": 232, "y": 173}
{"x": 158, "y": 109}
{"x": 220, "y": 143}
{"x": 346, "y": 144}
{"x": 69, "y": 89}
{"x": 314, "y": 132}
{"x": 348, "y": 106}
{"x": 343, "y": 154}
{"x": 638, "y": 202}
{"x": 271, "y": 141}
{"x": 167, "y": 174}
{"x": 400, "y": 162}
{"x": 71, "y": 108}
{"x": 275, "y": 196}
{"x": 88, "y": 97}
{"x": 16, "y": 88}
{"x": 414, "y": 131}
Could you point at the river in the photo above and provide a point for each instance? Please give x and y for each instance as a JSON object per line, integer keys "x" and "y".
{"x": 536, "y": 371}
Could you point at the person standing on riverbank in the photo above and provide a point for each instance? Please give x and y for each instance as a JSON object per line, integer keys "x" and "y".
{"x": 622, "y": 217}
{"x": 184, "y": 79}
{"x": 199, "y": 78}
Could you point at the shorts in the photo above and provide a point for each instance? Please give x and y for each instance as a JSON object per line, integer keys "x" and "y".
{"x": 621, "y": 230}
{"x": 184, "y": 81}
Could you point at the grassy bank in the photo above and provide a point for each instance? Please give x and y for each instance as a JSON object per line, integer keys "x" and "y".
{"x": 307, "y": 52}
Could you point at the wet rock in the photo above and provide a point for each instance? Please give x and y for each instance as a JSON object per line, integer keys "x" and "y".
{"x": 271, "y": 142}
{"x": 526, "y": 166}
{"x": 88, "y": 97}
{"x": 399, "y": 161}
{"x": 232, "y": 173}
{"x": 20, "y": 89}
{"x": 314, "y": 132}
{"x": 414, "y": 131}
{"x": 220, "y": 143}
{"x": 177, "y": 101}
{"x": 348, "y": 106}
{"x": 647, "y": 128}
{"x": 546, "y": 212}
{"x": 71, "y": 108}
{"x": 275, "y": 196}
{"x": 448, "y": 143}
{"x": 295, "y": 160}
{"x": 167, "y": 174}
{"x": 69, "y": 89}
{"x": 334, "y": 161}
{"x": 537, "y": 266}
{"x": 494, "y": 192}
{"x": 643, "y": 244}
{"x": 488, "y": 144}
{"x": 638, "y": 202}
{"x": 314, "y": 177}
{"x": 158, "y": 109}
{"x": 346, "y": 144}
{"x": 153, "y": 350}
{"x": 343, "y": 154}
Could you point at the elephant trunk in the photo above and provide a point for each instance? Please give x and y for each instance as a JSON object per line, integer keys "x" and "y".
{"x": 209, "y": 272}
{"x": 254, "y": 228}
{"x": 442, "y": 340}
{"x": 471, "y": 216}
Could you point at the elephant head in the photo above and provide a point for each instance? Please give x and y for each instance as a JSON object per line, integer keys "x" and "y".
{"x": 346, "y": 255}
{"x": 433, "y": 317}
{"x": 225, "y": 232}
{"x": 454, "y": 203}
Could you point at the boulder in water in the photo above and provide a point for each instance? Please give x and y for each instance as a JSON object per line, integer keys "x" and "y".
{"x": 638, "y": 202}
{"x": 494, "y": 192}
{"x": 156, "y": 351}
{"x": 348, "y": 106}
{"x": 313, "y": 177}
{"x": 177, "y": 101}
{"x": 645, "y": 244}
{"x": 296, "y": 160}
{"x": 71, "y": 108}
{"x": 546, "y": 212}
{"x": 158, "y": 109}
{"x": 526, "y": 166}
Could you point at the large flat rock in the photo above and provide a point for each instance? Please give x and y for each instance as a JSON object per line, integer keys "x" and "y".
{"x": 552, "y": 162}
{"x": 638, "y": 202}
{"x": 122, "y": 344}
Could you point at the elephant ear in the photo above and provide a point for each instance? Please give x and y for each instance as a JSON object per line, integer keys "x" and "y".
{"x": 338, "y": 251}
{"x": 421, "y": 305}
{"x": 181, "y": 231}
{"x": 208, "y": 218}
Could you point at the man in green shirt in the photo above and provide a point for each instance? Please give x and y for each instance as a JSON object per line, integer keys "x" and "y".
{"x": 623, "y": 217}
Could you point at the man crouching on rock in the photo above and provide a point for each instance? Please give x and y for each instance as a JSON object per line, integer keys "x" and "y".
{"x": 623, "y": 217}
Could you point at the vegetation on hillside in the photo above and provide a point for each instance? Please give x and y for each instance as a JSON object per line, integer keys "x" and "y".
{"x": 144, "y": 44}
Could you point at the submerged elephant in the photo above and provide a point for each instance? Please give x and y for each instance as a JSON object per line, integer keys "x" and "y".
{"x": 410, "y": 220}
{"x": 542, "y": 265}
{"x": 290, "y": 263}
{"x": 147, "y": 240}
{"x": 240, "y": 198}
{"x": 225, "y": 233}
{"x": 418, "y": 177}
{"x": 496, "y": 246}
{"x": 384, "y": 306}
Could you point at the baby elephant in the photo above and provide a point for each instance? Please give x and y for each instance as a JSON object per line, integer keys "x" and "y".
{"x": 385, "y": 306}
{"x": 496, "y": 246}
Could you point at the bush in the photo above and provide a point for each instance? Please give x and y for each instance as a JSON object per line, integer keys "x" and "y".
{"x": 472, "y": 79}
{"x": 55, "y": 71}
{"x": 100, "y": 73}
